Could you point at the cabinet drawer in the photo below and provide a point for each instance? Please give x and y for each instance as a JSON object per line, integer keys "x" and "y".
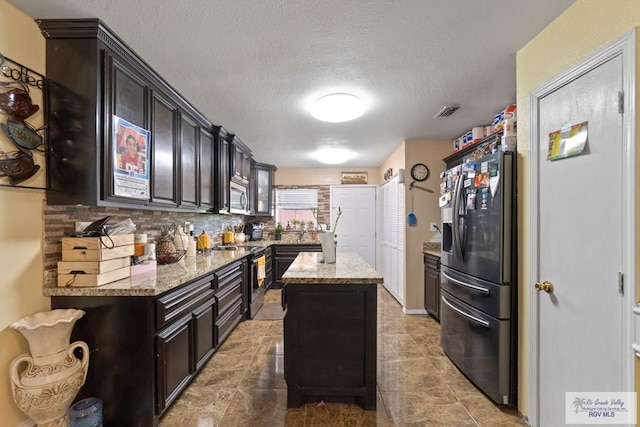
{"x": 226, "y": 323}
{"x": 432, "y": 262}
{"x": 180, "y": 302}
{"x": 227, "y": 296}
{"x": 228, "y": 276}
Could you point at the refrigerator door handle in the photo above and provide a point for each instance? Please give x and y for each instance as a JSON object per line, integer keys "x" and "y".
{"x": 455, "y": 226}
{"x": 466, "y": 285}
{"x": 467, "y": 315}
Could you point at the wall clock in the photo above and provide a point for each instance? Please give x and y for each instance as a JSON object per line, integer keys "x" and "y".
{"x": 419, "y": 172}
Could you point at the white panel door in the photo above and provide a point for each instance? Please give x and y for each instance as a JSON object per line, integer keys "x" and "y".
{"x": 580, "y": 244}
{"x": 357, "y": 225}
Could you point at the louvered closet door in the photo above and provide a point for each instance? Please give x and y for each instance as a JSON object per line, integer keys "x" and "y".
{"x": 393, "y": 238}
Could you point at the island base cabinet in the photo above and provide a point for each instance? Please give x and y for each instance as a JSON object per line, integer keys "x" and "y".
{"x": 330, "y": 344}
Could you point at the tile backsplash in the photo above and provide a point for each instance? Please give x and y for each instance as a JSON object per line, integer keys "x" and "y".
{"x": 59, "y": 221}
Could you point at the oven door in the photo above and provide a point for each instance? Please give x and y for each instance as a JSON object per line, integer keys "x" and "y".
{"x": 239, "y": 202}
{"x": 257, "y": 290}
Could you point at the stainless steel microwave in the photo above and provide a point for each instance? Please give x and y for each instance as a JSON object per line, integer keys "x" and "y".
{"x": 239, "y": 200}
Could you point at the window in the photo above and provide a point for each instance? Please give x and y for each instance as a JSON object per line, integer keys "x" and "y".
{"x": 296, "y": 208}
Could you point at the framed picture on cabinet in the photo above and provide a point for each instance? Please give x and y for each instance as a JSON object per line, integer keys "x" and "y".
{"x": 130, "y": 159}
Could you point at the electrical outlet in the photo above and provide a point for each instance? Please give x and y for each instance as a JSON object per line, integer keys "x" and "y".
{"x": 433, "y": 226}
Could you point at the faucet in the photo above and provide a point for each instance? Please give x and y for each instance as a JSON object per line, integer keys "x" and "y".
{"x": 301, "y": 234}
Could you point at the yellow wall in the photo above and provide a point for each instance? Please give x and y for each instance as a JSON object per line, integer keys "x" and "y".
{"x": 21, "y": 232}
{"x": 583, "y": 29}
{"x": 426, "y": 210}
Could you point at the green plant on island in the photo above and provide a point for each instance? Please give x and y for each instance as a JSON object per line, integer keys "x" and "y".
{"x": 279, "y": 228}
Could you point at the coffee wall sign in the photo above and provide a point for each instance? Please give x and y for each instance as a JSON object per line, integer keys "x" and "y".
{"x": 21, "y": 142}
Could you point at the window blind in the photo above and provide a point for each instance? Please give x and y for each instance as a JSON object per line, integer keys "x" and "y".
{"x": 298, "y": 198}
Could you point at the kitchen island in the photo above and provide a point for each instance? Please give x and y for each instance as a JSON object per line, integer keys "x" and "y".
{"x": 330, "y": 330}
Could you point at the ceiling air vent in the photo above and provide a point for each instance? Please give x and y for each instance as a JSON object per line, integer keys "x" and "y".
{"x": 446, "y": 111}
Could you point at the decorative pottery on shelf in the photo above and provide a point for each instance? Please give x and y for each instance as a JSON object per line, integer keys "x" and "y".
{"x": 53, "y": 376}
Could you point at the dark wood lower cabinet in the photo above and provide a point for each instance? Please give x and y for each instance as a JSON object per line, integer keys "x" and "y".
{"x": 145, "y": 350}
{"x": 175, "y": 360}
{"x": 330, "y": 343}
{"x": 432, "y": 285}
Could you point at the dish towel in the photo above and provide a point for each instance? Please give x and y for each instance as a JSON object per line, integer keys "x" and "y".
{"x": 261, "y": 270}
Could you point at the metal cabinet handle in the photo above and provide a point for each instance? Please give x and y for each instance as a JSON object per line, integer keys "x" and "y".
{"x": 466, "y": 285}
{"x": 467, "y": 315}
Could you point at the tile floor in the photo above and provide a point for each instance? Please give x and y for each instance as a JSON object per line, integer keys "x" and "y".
{"x": 243, "y": 383}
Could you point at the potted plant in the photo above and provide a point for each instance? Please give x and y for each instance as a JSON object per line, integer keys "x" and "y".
{"x": 279, "y": 229}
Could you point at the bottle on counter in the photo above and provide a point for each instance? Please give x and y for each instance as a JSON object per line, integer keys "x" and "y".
{"x": 191, "y": 249}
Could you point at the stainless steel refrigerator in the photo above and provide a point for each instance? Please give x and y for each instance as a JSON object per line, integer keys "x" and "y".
{"x": 478, "y": 272}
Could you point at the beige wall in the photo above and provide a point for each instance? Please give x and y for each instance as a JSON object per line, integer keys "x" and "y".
{"x": 584, "y": 28}
{"x": 320, "y": 176}
{"x": 20, "y": 219}
{"x": 426, "y": 210}
{"x": 395, "y": 161}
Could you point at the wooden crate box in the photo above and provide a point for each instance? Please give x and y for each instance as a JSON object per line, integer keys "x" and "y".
{"x": 97, "y": 248}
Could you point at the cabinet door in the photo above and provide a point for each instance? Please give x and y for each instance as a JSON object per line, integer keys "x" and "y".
{"x": 127, "y": 99}
{"x": 263, "y": 189}
{"x": 204, "y": 319}
{"x": 189, "y": 183}
{"x": 206, "y": 170}
{"x": 281, "y": 264}
{"x": 175, "y": 360}
{"x": 164, "y": 116}
{"x": 237, "y": 170}
{"x": 223, "y": 174}
{"x": 246, "y": 166}
{"x": 432, "y": 287}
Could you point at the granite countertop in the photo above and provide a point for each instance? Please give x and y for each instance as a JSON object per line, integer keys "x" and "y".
{"x": 265, "y": 243}
{"x": 154, "y": 283}
{"x": 349, "y": 268}
{"x": 431, "y": 248}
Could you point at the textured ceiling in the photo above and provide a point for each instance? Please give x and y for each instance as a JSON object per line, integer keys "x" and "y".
{"x": 254, "y": 66}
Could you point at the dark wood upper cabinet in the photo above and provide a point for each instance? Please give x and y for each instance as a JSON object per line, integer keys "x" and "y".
{"x": 189, "y": 152}
{"x": 240, "y": 161}
{"x": 92, "y": 77}
{"x": 207, "y": 170}
{"x": 222, "y": 170}
{"x": 127, "y": 99}
{"x": 164, "y": 118}
{"x": 262, "y": 189}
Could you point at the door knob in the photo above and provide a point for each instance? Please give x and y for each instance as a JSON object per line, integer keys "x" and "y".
{"x": 544, "y": 286}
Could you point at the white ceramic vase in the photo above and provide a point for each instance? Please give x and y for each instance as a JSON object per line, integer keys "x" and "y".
{"x": 181, "y": 239}
{"x": 328, "y": 247}
{"x": 53, "y": 376}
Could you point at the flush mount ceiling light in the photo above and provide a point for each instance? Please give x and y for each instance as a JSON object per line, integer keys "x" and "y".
{"x": 333, "y": 156}
{"x": 337, "y": 107}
